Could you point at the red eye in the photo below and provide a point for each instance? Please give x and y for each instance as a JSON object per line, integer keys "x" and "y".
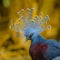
{"x": 30, "y": 35}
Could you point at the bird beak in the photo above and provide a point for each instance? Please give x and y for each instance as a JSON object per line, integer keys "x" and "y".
{"x": 26, "y": 39}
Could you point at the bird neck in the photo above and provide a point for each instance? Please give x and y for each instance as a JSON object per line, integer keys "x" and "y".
{"x": 36, "y": 39}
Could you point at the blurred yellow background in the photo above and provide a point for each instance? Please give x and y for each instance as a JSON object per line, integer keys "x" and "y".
{"x": 13, "y": 47}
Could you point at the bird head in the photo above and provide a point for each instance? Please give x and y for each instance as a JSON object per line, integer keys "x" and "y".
{"x": 29, "y": 25}
{"x": 31, "y": 32}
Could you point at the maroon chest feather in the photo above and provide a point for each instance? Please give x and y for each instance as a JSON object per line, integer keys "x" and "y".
{"x": 37, "y": 51}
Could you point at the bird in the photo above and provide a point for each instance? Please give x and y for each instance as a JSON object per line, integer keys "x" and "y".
{"x": 40, "y": 48}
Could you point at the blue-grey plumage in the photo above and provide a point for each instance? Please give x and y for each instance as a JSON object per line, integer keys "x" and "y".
{"x": 36, "y": 37}
{"x": 52, "y": 52}
{"x": 53, "y": 49}
{"x": 56, "y": 58}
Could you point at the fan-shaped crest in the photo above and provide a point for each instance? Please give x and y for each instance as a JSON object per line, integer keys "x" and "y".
{"x": 26, "y": 23}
